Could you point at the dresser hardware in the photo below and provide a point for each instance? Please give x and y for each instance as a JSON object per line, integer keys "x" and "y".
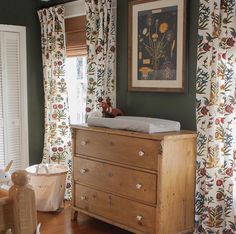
{"x": 83, "y": 143}
{"x": 110, "y": 200}
{"x": 139, "y": 217}
{"x": 82, "y": 171}
{"x": 160, "y": 151}
{"x": 83, "y": 198}
{"x": 141, "y": 153}
{"x": 139, "y": 186}
{"x": 161, "y": 148}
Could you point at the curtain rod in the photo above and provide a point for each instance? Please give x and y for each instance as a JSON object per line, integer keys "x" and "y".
{"x": 55, "y": 2}
{"x": 58, "y": 2}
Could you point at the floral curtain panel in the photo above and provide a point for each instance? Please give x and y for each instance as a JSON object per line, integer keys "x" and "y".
{"x": 216, "y": 118}
{"x": 57, "y": 138}
{"x": 101, "y": 39}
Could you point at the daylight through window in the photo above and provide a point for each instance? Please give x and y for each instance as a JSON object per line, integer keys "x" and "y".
{"x": 77, "y": 88}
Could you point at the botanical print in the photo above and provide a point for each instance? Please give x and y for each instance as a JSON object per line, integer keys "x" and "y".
{"x": 57, "y": 138}
{"x": 216, "y": 118}
{"x": 157, "y": 39}
{"x": 101, "y": 38}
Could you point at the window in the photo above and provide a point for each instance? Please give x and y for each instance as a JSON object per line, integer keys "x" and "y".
{"x": 76, "y": 51}
{"x": 77, "y": 88}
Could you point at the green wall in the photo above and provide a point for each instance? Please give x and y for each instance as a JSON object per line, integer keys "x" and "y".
{"x": 180, "y": 107}
{"x": 24, "y": 13}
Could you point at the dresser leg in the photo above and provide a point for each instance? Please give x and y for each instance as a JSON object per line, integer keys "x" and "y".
{"x": 81, "y": 218}
{"x": 74, "y": 214}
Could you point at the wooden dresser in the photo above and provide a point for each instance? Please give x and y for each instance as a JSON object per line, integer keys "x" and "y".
{"x": 143, "y": 183}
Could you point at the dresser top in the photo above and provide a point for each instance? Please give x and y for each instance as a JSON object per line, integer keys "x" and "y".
{"x": 155, "y": 136}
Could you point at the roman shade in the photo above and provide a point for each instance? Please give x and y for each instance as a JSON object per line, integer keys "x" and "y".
{"x": 75, "y": 36}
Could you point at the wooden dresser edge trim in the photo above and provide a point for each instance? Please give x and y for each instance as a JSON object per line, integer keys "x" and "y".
{"x": 154, "y": 136}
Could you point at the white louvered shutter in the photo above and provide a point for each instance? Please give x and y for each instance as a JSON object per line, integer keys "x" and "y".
{"x": 2, "y": 145}
{"x": 12, "y": 103}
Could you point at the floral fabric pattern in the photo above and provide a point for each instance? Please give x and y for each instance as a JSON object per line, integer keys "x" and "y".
{"x": 57, "y": 138}
{"x": 101, "y": 38}
{"x": 216, "y": 118}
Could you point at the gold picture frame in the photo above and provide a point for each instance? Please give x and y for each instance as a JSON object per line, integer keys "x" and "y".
{"x": 156, "y": 46}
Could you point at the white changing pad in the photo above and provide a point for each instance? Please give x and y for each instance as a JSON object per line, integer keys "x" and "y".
{"x": 139, "y": 124}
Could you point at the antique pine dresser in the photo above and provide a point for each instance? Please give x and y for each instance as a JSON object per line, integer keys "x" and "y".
{"x": 141, "y": 182}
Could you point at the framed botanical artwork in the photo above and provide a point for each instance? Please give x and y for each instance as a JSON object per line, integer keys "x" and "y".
{"x": 156, "y": 45}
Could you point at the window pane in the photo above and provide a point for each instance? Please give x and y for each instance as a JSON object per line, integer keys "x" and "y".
{"x": 77, "y": 88}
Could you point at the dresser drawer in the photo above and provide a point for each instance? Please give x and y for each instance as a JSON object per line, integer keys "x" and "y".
{"x": 132, "y": 214}
{"x": 128, "y": 182}
{"x": 123, "y": 149}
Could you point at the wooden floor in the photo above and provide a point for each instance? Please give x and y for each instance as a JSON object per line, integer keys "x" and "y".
{"x": 60, "y": 223}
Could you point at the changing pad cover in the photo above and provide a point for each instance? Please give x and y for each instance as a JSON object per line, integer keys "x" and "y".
{"x": 139, "y": 124}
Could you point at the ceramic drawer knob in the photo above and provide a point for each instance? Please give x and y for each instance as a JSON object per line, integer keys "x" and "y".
{"x": 139, "y": 186}
{"x": 82, "y": 171}
{"x": 83, "y": 143}
{"x": 139, "y": 217}
{"x": 83, "y": 198}
{"x": 160, "y": 150}
{"x": 141, "y": 153}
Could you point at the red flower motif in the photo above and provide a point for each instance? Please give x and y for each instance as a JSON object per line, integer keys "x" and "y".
{"x": 54, "y": 116}
{"x": 60, "y": 149}
{"x": 206, "y": 47}
{"x": 230, "y": 41}
{"x": 98, "y": 49}
{"x": 60, "y": 106}
{"x": 54, "y": 149}
{"x": 219, "y": 196}
{"x": 229, "y": 172}
{"x": 88, "y": 109}
{"x": 113, "y": 49}
{"x": 203, "y": 171}
{"x": 53, "y": 158}
{"x": 224, "y": 55}
{"x": 222, "y": 120}
{"x": 219, "y": 182}
{"x": 54, "y": 106}
{"x": 209, "y": 150}
{"x": 204, "y": 110}
{"x": 229, "y": 109}
{"x": 59, "y": 63}
{"x": 217, "y": 121}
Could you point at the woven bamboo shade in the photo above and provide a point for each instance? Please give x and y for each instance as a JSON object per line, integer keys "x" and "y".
{"x": 76, "y": 36}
